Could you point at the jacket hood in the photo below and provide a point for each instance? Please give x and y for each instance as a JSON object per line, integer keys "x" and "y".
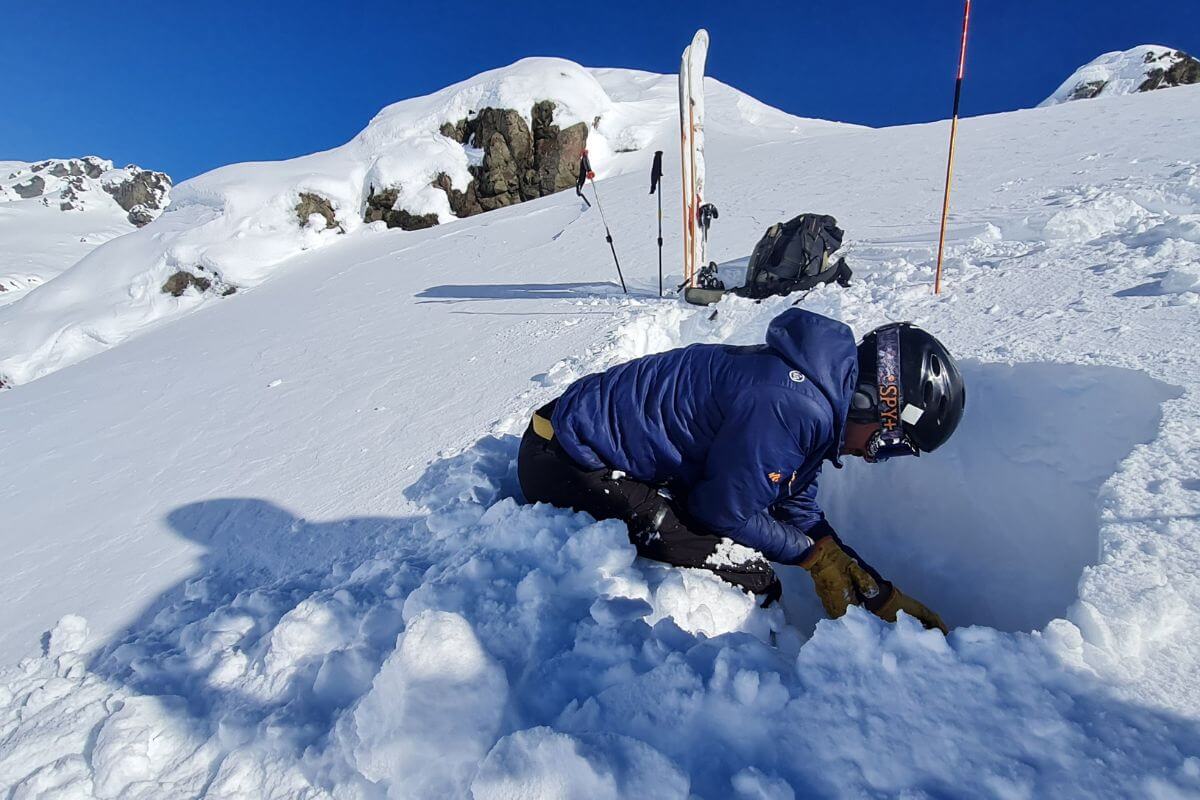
{"x": 824, "y": 350}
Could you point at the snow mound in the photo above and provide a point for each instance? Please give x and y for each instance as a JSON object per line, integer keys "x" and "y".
{"x": 1139, "y": 69}
{"x": 233, "y": 227}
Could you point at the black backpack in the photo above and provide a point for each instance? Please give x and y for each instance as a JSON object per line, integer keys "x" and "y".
{"x": 793, "y": 256}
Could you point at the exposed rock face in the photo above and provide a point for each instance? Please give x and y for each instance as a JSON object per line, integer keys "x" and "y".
{"x": 89, "y": 166}
{"x": 181, "y": 280}
{"x": 31, "y": 188}
{"x": 518, "y": 164}
{"x": 1087, "y": 90}
{"x": 557, "y": 152}
{"x": 80, "y": 183}
{"x": 463, "y": 204}
{"x": 381, "y": 207}
{"x": 142, "y": 188}
{"x": 71, "y": 197}
{"x": 140, "y": 216}
{"x": 1183, "y": 70}
{"x": 315, "y": 204}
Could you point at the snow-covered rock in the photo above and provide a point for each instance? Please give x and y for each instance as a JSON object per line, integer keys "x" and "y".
{"x": 74, "y": 184}
{"x": 54, "y": 212}
{"x": 1139, "y": 69}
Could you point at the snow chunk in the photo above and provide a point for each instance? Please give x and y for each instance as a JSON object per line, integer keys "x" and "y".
{"x": 541, "y": 762}
{"x": 729, "y": 553}
{"x": 752, "y": 784}
{"x": 700, "y": 602}
{"x": 147, "y": 738}
{"x": 68, "y": 636}
{"x": 433, "y": 710}
{"x": 1184, "y": 278}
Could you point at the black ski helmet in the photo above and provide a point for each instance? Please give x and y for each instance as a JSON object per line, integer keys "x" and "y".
{"x": 908, "y": 382}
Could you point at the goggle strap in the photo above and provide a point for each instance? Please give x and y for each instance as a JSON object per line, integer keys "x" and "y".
{"x": 890, "y": 390}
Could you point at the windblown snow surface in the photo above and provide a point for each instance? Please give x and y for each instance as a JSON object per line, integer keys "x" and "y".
{"x": 279, "y": 550}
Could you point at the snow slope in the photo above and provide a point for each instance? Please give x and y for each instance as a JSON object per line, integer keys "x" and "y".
{"x": 1137, "y": 69}
{"x": 236, "y": 225}
{"x": 290, "y": 521}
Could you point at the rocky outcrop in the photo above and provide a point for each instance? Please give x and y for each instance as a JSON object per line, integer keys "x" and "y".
{"x": 463, "y": 204}
{"x": 556, "y": 152}
{"x": 142, "y": 188}
{"x": 519, "y": 163}
{"x": 310, "y": 204}
{"x": 140, "y": 216}
{"x": 34, "y": 187}
{"x": 381, "y": 207}
{"x": 1181, "y": 70}
{"x": 72, "y": 196}
{"x": 77, "y": 184}
{"x": 1087, "y": 90}
{"x": 181, "y": 280}
{"x": 88, "y": 166}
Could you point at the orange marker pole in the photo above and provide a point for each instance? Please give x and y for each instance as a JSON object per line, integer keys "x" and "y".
{"x": 962, "y": 60}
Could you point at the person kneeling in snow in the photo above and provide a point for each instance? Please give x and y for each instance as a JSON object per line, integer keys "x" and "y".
{"x": 708, "y": 446}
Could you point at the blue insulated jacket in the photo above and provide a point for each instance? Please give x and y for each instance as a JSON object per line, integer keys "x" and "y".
{"x": 737, "y": 433}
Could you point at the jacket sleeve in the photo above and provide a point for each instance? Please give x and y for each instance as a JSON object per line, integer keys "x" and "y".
{"x": 801, "y": 510}
{"x": 767, "y": 435}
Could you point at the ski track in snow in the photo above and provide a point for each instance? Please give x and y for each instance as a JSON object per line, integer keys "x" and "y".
{"x": 479, "y": 647}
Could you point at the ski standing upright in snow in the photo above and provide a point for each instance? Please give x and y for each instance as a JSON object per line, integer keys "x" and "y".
{"x": 691, "y": 152}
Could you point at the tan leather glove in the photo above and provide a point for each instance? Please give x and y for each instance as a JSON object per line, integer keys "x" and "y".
{"x": 898, "y": 601}
{"x": 839, "y": 579}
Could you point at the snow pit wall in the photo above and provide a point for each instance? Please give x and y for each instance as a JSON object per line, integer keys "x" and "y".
{"x": 996, "y": 527}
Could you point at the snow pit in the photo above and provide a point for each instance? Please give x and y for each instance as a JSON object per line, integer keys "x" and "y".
{"x": 996, "y": 527}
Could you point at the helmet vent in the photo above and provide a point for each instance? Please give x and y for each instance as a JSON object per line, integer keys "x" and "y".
{"x": 935, "y": 365}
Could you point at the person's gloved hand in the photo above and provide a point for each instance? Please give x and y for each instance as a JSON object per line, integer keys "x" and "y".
{"x": 898, "y": 601}
{"x": 839, "y": 579}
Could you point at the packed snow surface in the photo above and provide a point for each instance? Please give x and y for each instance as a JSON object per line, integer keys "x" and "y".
{"x": 1117, "y": 73}
{"x": 276, "y": 549}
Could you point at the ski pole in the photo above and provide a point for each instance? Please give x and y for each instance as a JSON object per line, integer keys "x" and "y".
{"x": 660, "y": 243}
{"x": 655, "y": 178}
{"x": 585, "y": 171}
{"x": 962, "y": 59}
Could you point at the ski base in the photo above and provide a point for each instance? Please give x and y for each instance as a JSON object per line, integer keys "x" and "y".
{"x": 702, "y": 297}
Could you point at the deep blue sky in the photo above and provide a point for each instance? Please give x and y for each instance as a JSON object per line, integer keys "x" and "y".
{"x": 185, "y": 87}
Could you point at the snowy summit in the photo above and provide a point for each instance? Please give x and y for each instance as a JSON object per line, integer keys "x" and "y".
{"x": 1139, "y": 69}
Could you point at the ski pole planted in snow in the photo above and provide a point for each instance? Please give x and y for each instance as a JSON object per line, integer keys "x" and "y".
{"x": 656, "y": 174}
{"x": 962, "y": 59}
{"x": 586, "y": 174}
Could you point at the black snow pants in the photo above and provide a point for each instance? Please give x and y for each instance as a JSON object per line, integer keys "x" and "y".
{"x": 658, "y": 527}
